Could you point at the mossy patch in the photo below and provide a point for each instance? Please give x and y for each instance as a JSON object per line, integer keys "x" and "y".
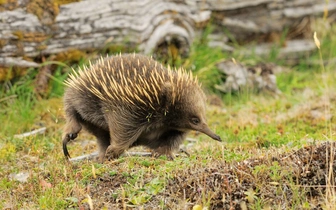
{"x": 8, "y": 5}
{"x": 61, "y": 2}
{"x": 8, "y": 73}
{"x": 3, "y": 42}
{"x": 72, "y": 55}
{"x": 45, "y": 10}
{"x": 30, "y": 36}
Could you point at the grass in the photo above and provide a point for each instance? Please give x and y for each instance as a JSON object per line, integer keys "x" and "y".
{"x": 252, "y": 125}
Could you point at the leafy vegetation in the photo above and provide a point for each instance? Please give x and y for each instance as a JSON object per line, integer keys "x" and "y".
{"x": 253, "y": 126}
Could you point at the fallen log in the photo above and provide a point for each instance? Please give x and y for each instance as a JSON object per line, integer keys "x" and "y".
{"x": 36, "y": 28}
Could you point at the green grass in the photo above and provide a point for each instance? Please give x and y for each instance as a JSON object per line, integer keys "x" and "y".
{"x": 250, "y": 124}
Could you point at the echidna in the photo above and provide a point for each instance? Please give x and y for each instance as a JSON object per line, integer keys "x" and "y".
{"x": 130, "y": 100}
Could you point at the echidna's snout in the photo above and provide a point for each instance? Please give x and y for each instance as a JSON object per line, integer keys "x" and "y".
{"x": 217, "y": 138}
{"x": 204, "y": 128}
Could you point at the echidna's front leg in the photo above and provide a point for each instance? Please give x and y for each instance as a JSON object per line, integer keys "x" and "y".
{"x": 113, "y": 151}
{"x": 121, "y": 136}
{"x": 119, "y": 145}
{"x": 169, "y": 143}
{"x": 103, "y": 144}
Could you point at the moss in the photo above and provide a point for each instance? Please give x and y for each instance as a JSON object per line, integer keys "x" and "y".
{"x": 45, "y": 10}
{"x": 41, "y": 47}
{"x": 60, "y": 2}
{"x": 3, "y": 42}
{"x": 7, "y": 73}
{"x": 117, "y": 48}
{"x": 72, "y": 55}
{"x": 30, "y": 36}
{"x": 18, "y": 34}
{"x": 35, "y": 37}
{"x": 8, "y": 5}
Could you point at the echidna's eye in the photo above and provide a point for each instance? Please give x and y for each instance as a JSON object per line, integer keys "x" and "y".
{"x": 195, "y": 120}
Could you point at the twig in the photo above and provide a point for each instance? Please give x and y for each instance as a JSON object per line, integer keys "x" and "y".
{"x": 84, "y": 157}
{"x": 20, "y": 62}
{"x": 94, "y": 155}
{"x": 191, "y": 139}
{"x": 137, "y": 154}
{"x": 31, "y": 133}
{"x": 7, "y": 98}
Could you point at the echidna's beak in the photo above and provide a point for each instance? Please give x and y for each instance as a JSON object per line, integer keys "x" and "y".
{"x": 206, "y": 130}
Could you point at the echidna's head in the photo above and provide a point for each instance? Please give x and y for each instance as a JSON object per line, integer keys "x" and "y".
{"x": 190, "y": 114}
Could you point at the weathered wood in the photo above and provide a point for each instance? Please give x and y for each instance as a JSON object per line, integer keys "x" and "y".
{"x": 25, "y": 31}
{"x": 93, "y": 25}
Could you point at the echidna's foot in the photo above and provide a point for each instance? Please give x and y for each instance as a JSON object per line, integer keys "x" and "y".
{"x": 182, "y": 150}
{"x": 170, "y": 157}
{"x": 101, "y": 157}
{"x": 71, "y": 130}
{"x": 113, "y": 152}
{"x": 157, "y": 155}
{"x": 67, "y": 138}
{"x": 163, "y": 151}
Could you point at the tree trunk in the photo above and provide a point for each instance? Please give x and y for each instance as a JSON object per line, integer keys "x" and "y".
{"x": 34, "y": 28}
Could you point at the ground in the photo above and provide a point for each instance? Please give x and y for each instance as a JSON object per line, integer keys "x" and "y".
{"x": 237, "y": 185}
{"x": 277, "y": 151}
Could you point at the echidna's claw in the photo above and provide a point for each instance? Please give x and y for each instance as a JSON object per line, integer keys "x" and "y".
{"x": 184, "y": 151}
{"x": 72, "y": 136}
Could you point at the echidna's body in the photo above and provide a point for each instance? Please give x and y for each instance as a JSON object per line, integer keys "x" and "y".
{"x": 131, "y": 100}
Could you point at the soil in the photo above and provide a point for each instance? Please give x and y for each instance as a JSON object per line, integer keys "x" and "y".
{"x": 280, "y": 182}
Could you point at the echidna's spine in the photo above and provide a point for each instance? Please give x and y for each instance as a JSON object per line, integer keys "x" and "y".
{"x": 136, "y": 83}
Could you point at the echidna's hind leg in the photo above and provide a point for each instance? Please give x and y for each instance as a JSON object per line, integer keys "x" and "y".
{"x": 71, "y": 129}
{"x": 103, "y": 138}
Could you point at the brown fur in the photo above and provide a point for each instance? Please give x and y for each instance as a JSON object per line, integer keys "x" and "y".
{"x": 132, "y": 100}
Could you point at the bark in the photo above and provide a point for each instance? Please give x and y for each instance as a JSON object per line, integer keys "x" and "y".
{"x": 30, "y": 29}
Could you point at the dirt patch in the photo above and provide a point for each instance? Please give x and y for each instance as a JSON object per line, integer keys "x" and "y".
{"x": 281, "y": 181}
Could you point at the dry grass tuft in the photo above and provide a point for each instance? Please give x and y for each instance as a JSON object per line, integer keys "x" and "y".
{"x": 293, "y": 180}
